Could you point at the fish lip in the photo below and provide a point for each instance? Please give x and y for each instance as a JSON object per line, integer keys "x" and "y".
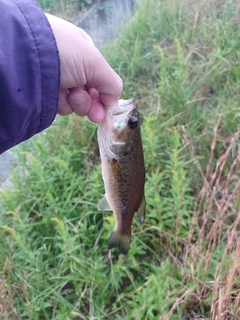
{"x": 125, "y": 102}
{"x": 122, "y": 107}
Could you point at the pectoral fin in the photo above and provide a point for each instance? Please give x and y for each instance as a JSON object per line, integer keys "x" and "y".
{"x": 104, "y": 205}
{"x": 142, "y": 209}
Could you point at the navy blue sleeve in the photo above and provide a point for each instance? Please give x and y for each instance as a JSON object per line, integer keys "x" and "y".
{"x": 29, "y": 72}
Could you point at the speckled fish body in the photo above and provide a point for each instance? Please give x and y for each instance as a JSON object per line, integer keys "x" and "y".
{"x": 121, "y": 152}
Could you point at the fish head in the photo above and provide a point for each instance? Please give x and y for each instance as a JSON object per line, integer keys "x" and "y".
{"x": 123, "y": 121}
{"x": 119, "y": 132}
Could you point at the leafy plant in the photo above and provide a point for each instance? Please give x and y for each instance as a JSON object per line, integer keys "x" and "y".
{"x": 180, "y": 61}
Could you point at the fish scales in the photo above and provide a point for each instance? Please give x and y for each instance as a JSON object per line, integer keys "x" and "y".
{"x": 123, "y": 170}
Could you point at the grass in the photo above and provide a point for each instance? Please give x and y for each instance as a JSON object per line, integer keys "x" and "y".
{"x": 181, "y": 63}
{"x": 64, "y": 7}
{"x": 70, "y": 9}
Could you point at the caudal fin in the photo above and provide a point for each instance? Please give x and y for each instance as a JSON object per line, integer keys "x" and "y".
{"x": 116, "y": 240}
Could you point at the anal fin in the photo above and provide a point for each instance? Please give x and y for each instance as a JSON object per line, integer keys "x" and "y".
{"x": 142, "y": 210}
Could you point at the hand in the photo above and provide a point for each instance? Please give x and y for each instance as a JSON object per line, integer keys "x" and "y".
{"x": 87, "y": 82}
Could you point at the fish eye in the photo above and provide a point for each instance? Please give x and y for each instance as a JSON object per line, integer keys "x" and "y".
{"x": 133, "y": 122}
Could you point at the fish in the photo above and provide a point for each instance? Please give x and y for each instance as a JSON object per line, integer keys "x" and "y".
{"x": 122, "y": 159}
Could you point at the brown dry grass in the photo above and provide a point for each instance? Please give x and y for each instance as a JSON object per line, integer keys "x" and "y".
{"x": 7, "y": 309}
{"x": 217, "y": 217}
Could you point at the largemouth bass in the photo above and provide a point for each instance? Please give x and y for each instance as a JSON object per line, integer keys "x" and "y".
{"x": 121, "y": 152}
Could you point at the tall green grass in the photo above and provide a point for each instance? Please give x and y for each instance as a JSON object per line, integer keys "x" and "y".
{"x": 180, "y": 60}
{"x": 65, "y": 8}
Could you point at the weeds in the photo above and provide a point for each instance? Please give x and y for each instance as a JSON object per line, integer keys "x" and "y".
{"x": 68, "y": 9}
{"x": 181, "y": 62}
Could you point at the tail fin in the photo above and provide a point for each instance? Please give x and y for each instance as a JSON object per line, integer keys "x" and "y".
{"x": 116, "y": 240}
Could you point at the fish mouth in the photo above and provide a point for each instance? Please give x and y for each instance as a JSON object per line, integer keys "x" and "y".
{"x": 125, "y": 102}
{"x": 122, "y": 107}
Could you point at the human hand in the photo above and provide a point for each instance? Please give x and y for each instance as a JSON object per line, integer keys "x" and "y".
{"x": 87, "y": 82}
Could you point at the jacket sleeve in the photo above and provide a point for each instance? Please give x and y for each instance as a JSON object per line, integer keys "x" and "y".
{"x": 29, "y": 72}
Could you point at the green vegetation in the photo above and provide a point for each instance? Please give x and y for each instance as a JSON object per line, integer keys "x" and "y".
{"x": 68, "y": 9}
{"x": 180, "y": 60}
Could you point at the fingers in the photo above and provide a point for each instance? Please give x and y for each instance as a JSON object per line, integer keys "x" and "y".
{"x": 97, "y": 111}
{"x": 81, "y": 102}
{"x": 86, "y": 103}
{"x": 64, "y": 108}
